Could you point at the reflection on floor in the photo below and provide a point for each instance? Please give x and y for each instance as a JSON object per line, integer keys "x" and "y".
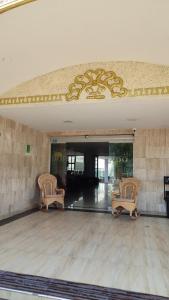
{"x": 89, "y": 248}
{"x": 97, "y": 197}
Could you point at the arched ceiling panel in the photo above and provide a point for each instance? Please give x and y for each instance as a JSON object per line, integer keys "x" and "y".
{"x": 92, "y": 81}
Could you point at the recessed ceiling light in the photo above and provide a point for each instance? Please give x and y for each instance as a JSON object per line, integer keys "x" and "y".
{"x": 132, "y": 120}
{"x": 67, "y": 121}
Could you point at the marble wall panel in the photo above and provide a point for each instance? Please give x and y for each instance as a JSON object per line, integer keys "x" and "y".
{"x": 18, "y": 170}
{"x": 151, "y": 164}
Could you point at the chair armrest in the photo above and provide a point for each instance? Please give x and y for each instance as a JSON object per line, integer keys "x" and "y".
{"x": 42, "y": 194}
{"x": 115, "y": 194}
{"x": 60, "y": 191}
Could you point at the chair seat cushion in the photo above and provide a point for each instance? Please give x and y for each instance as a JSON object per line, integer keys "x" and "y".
{"x": 53, "y": 196}
{"x": 122, "y": 200}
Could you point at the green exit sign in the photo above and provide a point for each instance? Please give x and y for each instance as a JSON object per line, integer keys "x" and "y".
{"x": 27, "y": 149}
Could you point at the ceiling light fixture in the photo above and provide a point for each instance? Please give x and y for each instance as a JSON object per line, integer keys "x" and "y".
{"x": 68, "y": 121}
{"x": 132, "y": 120}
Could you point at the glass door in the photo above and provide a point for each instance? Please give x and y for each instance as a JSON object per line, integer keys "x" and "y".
{"x": 120, "y": 161}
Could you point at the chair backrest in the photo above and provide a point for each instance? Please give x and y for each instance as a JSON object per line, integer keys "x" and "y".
{"x": 47, "y": 183}
{"x": 129, "y": 189}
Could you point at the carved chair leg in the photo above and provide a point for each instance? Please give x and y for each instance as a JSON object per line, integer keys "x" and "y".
{"x": 135, "y": 214}
{"x": 61, "y": 205}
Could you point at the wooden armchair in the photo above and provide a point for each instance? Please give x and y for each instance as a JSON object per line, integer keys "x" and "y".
{"x": 49, "y": 193}
{"x": 126, "y": 198}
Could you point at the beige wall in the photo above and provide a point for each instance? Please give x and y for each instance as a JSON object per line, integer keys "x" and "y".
{"x": 151, "y": 163}
{"x": 18, "y": 171}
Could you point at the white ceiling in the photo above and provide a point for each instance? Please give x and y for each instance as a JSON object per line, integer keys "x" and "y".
{"x": 47, "y": 35}
{"x": 142, "y": 112}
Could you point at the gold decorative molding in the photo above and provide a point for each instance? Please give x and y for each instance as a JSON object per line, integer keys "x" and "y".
{"x": 12, "y": 4}
{"x": 92, "y": 85}
{"x": 32, "y": 99}
{"x": 149, "y": 91}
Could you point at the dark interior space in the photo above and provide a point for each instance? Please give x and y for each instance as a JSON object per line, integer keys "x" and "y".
{"x": 90, "y": 171}
{"x": 84, "y": 173}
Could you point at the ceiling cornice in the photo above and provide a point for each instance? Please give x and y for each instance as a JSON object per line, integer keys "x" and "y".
{"x": 13, "y": 4}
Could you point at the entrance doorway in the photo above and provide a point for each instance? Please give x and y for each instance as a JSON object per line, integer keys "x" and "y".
{"x": 90, "y": 171}
{"x": 105, "y": 169}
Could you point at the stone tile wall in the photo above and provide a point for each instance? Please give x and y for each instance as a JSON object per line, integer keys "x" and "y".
{"x": 18, "y": 170}
{"x": 151, "y": 164}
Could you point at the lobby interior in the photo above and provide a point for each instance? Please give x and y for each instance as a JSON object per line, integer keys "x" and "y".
{"x": 84, "y": 95}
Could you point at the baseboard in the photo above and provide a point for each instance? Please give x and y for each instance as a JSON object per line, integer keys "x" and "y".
{"x": 18, "y": 216}
{"x": 110, "y": 212}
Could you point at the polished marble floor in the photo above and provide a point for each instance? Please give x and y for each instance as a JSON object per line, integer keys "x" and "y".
{"x": 96, "y": 197}
{"x": 90, "y": 248}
